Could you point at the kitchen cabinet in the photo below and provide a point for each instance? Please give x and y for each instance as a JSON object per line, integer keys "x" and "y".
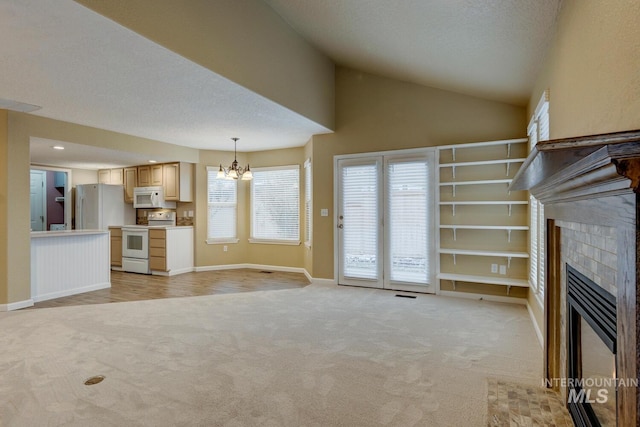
{"x": 130, "y": 182}
{"x": 111, "y": 176}
{"x": 150, "y": 176}
{"x": 157, "y": 250}
{"x": 157, "y": 175}
{"x": 177, "y": 181}
{"x": 144, "y": 176}
{"x": 170, "y": 250}
{"x": 116, "y": 246}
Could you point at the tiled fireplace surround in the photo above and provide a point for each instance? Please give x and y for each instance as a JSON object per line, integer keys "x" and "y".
{"x": 590, "y": 189}
{"x": 592, "y": 251}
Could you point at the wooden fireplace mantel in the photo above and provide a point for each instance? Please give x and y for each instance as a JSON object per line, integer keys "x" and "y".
{"x": 592, "y": 180}
{"x": 582, "y": 168}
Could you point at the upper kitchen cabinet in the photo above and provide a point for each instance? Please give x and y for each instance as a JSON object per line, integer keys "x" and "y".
{"x": 150, "y": 176}
{"x": 157, "y": 174}
{"x": 177, "y": 178}
{"x": 111, "y": 176}
{"x": 130, "y": 181}
{"x": 144, "y": 176}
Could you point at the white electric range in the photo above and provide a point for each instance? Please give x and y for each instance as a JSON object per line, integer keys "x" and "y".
{"x": 135, "y": 241}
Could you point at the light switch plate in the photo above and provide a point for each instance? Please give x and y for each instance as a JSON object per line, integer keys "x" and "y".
{"x": 324, "y": 212}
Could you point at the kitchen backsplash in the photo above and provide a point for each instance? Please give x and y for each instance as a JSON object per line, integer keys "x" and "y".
{"x": 142, "y": 215}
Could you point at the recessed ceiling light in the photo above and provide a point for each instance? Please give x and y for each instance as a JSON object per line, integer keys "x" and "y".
{"x": 153, "y": 161}
{"x": 58, "y": 147}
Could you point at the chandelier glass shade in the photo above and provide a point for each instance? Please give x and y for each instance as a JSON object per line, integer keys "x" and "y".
{"x": 234, "y": 171}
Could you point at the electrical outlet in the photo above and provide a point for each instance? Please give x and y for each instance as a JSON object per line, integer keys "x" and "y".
{"x": 190, "y": 214}
{"x": 224, "y": 248}
{"x": 503, "y": 269}
{"x": 494, "y": 268}
{"x": 324, "y": 212}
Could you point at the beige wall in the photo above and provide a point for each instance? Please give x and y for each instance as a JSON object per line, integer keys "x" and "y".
{"x": 4, "y": 206}
{"x": 242, "y": 40}
{"x": 592, "y": 73}
{"x": 592, "y": 69}
{"x": 377, "y": 114}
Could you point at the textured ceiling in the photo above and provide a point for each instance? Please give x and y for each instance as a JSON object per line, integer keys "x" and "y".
{"x": 83, "y": 68}
{"x": 487, "y": 48}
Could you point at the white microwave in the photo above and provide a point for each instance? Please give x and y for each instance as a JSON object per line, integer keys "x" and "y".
{"x": 150, "y": 198}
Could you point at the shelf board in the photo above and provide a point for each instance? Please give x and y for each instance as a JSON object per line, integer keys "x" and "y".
{"x": 482, "y": 163}
{"x": 486, "y": 227}
{"x": 486, "y": 202}
{"x": 485, "y": 181}
{"x": 485, "y": 279}
{"x": 483, "y": 144}
{"x": 473, "y": 252}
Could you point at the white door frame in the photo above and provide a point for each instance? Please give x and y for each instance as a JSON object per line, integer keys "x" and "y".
{"x": 43, "y": 198}
{"x": 436, "y": 231}
{"x": 68, "y": 206}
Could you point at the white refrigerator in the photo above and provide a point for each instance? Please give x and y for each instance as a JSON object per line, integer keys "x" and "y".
{"x": 100, "y": 205}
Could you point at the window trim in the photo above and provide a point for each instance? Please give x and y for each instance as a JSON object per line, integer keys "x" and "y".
{"x": 254, "y": 240}
{"x": 308, "y": 203}
{"x": 538, "y": 286}
{"x": 221, "y": 240}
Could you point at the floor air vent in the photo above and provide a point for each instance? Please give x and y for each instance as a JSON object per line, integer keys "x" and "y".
{"x": 266, "y": 272}
{"x": 406, "y": 296}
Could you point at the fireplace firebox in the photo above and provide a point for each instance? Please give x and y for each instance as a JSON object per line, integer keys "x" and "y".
{"x": 592, "y": 340}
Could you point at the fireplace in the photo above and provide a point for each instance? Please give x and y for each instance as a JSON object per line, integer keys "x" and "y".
{"x": 590, "y": 188}
{"x": 591, "y": 352}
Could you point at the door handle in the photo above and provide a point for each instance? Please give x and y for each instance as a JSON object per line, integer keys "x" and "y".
{"x": 340, "y": 226}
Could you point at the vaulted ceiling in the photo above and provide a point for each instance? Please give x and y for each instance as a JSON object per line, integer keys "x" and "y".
{"x": 81, "y": 67}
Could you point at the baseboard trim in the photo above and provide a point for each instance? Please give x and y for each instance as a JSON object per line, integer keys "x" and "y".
{"x": 318, "y": 281}
{"x": 172, "y": 272}
{"x": 16, "y": 305}
{"x": 68, "y": 292}
{"x": 314, "y": 280}
{"x": 494, "y": 298}
{"x": 535, "y": 325}
{"x": 253, "y": 267}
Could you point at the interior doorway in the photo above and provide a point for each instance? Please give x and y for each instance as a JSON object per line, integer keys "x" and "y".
{"x": 38, "y": 200}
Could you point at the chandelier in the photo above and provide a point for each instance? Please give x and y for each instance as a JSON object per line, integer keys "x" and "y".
{"x": 234, "y": 171}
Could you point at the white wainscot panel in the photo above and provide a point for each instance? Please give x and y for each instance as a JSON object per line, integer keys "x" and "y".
{"x": 69, "y": 264}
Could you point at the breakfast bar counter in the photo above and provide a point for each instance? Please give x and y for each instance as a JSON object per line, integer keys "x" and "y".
{"x": 68, "y": 262}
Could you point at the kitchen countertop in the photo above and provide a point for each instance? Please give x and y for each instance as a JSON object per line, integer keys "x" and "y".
{"x": 156, "y": 227}
{"x": 66, "y": 233}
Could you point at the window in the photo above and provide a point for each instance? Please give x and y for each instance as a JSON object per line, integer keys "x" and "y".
{"x": 538, "y": 130}
{"x": 307, "y": 203}
{"x": 275, "y": 205}
{"x": 222, "y": 206}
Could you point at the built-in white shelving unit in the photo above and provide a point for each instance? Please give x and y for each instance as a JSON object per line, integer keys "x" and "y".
{"x": 482, "y": 224}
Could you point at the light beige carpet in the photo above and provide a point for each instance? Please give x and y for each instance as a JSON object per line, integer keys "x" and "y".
{"x": 317, "y": 356}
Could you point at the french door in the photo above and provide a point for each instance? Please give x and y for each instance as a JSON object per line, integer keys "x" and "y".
{"x": 385, "y": 221}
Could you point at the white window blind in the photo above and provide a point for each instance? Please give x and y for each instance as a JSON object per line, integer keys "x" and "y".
{"x": 538, "y": 130}
{"x": 275, "y": 205}
{"x": 307, "y": 203}
{"x": 222, "y": 204}
{"x": 360, "y": 205}
{"x": 408, "y": 205}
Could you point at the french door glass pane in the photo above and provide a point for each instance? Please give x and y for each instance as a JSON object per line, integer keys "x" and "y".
{"x": 408, "y": 221}
{"x": 360, "y": 232}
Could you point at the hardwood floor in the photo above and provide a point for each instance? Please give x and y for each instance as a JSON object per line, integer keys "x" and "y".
{"x": 136, "y": 287}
